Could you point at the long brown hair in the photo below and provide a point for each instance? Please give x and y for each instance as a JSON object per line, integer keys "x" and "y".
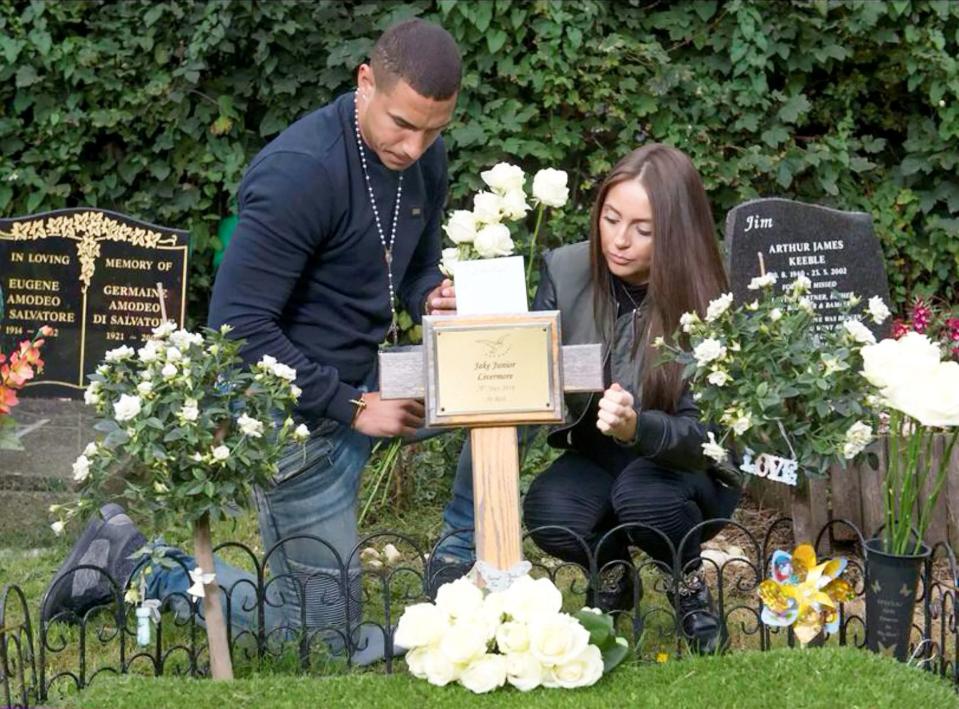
{"x": 686, "y": 271}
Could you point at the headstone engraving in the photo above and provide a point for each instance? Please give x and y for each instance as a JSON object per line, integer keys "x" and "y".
{"x": 838, "y": 251}
{"x": 91, "y": 275}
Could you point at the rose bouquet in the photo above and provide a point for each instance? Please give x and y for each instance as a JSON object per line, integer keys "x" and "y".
{"x": 787, "y": 396}
{"x": 484, "y": 640}
{"x": 188, "y": 434}
{"x": 15, "y": 371}
{"x": 483, "y": 232}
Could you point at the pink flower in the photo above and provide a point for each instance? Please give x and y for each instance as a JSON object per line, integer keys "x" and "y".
{"x": 899, "y": 328}
{"x": 921, "y": 316}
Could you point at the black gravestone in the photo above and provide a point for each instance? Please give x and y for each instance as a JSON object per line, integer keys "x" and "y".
{"x": 91, "y": 275}
{"x": 838, "y": 251}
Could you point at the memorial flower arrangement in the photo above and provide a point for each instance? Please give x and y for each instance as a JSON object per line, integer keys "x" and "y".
{"x": 919, "y": 392}
{"x": 483, "y": 232}
{"x": 188, "y": 434}
{"x": 484, "y": 640}
{"x": 16, "y": 369}
{"x": 787, "y": 396}
{"x": 803, "y": 594}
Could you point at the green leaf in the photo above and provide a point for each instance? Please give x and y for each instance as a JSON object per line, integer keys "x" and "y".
{"x": 273, "y": 122}
{"x": 495, "y": 40}
{"x": 26, "y": 76}
{"x": 794, "y": 108}
{"x": 613, "y": 654}
{"x": 599, "y": 625}
{"x": 116, "y": 438}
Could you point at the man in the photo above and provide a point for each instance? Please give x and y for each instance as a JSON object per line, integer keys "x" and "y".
{"x": 339, "y": 226}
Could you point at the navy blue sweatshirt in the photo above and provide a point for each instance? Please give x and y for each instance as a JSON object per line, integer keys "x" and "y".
{"x": 304, "y": 278}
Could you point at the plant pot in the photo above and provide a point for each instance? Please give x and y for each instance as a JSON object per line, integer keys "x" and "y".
{"x": 891, "y": 583}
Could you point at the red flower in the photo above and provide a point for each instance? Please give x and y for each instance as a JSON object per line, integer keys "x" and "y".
{"x": 952, "y": 324}
{"x": 921, "y": 316}
{"x": 899, "y": 328}
{"x": 8, "y": 399}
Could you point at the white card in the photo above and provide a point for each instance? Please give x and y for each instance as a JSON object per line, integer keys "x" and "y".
{"x": 490, "y": 286}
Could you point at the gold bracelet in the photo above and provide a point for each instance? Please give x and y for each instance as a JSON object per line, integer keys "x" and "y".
{"x": 360, "y": 404}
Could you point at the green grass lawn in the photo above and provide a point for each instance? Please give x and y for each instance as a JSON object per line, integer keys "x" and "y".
{"x": 783, "y": 678}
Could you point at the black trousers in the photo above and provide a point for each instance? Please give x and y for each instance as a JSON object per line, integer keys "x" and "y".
{"x": 591, "y": 495}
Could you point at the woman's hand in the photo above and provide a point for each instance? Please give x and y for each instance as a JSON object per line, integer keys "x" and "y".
{"x": 617, "y": 417}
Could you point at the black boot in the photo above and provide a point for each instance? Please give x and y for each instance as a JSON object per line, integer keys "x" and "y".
{"x": 615, "y": 588}
{"x": 701, "y": 626}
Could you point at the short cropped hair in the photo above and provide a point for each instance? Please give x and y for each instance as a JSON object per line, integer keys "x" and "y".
{"x": 424, "y": 55}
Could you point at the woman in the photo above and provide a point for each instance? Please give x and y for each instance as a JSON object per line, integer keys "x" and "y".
{"x": 634, "y": 455}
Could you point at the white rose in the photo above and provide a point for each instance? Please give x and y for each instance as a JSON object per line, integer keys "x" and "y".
{"x": 512, "y": 637}
{"x": 528, "y": 598}
{"x": 858, "y": 437}
{"x": 295, "y": 392}
{"x": 460, "y": 599}
{"x": 718, "y": 378}
{"x": 493, "y": 240}
{"x": 892, "y": 361}
{"x": 931, "y": 396}
{"x": 267, "y": 362}
{"x": 523, "y": 671}
{"x": 420, "y": 625}
{"x": 173, "y": 354}
{"x": 149, "y": 352}
{"x": 504, "y": 177}
{"x": 164, "y": 329}
{"x": 775, "y": 314}
{"x": 146, "y": 374}
{"x": 57, "y": 528}
{"x": 709, "y": 350}
{"x": 250, "y": 426}
{"x": 416, "y": 661}
{"x": 284, "y": 372}
{"x": 190, "y": 410}
{"x": 126, "y": 408}
{"x": 712, "y": 449}
{"x": 484, "y": 674}
{"x": 583, "y": 671}
{"x": 492, "y": 612}
{"x": 859, "y": 332}
{"x": 168, "y": 371}
{"x": 301, "y": 433}
{"x": 878, "y": 310}
{"x": 742, "y": 424}
{"x": 451, "y": 257}
{"x": 557, "y": 638}
{"x": 439, "y": 669}
{"x": 764, "y": 281}
{"x": 687, "y": 320}
{"x": 487, "y": 208}
{"x": 118, "y": 354}
{"x": 514, "y": 205}
{"x": 184, "y": 338}
{"x": 221, "y": 453}
{"x": 461, "y": 227}
{"x": 718, "y": 306}
{"x": 103, "y": 370}
{"x": 81, "y": 469}
{"x": 145, "y": 388}
{"x": 549, "y": 187}
{"x": 805, "y": 303}
{"x": 463, "y": 641}
{"x": 801, "y": 285}
{"x": 91, "y": 397}
{"x": 90, "y": 450}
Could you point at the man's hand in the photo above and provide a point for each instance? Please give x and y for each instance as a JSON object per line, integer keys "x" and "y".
{"x": 386, "y": 418}
{"x": 617, "y": 417}
{"x": 442, "y": 299}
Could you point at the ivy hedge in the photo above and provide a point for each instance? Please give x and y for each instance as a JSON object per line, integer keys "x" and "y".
{"x": 154, "y": 108}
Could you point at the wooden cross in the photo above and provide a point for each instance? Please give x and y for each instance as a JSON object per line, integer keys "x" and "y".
{"x": 492, "y": 374}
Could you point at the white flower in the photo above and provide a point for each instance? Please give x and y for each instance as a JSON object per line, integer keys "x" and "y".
{"x": 438, "y": 669}
{"x": 164, "y": 329}
{"x": 168, "y": 371}
{"x": 190, "y": 410}
{"x": 451, "y": 257}
{"x": 712, "y": 449}
{"x": 764, "y": 281}
{"x": 858, "y": 437}
{"x": 149, "y": 352}
{"x": 463, "y": 641}
{"x": 557, "y": 638}
{"x": 708, "y": 351}
{"x": 160, "y": 488}
{"x": 90, "y": 450}
{"x": 487, "y": 208}
{"x": 514, "y": 205}
{"x": 226, "y": 329}
{"x": 718, "y": 378}
{"x": 392, "y": 555}
{"x": 267, "y": 362}
{"x": 146, "y": 374}
{"x": 775, "y": 314}
{"x": 859, "y": 332}
{"x": 103, "y": 370}
{"x": 512, "y": 636}
{"x": 119, "y": 354}
{"x": 461, "y": 227}
{"x": 199, "y": 579}
{"x": 801, "y": 285}
{"x": 503, "y": 178}
{"x": 484, "y": 674}
{"x": 806, "y": 304}
{"x": 184, "y": 338}
{"x": 460, "y": 599}
{"x": 296, "y": 392}
{"x": 893, "y": 361}
{"x": 250, "y": 426}
{"x": 528, "y": 598}
{"x": 301, "y": 433}
{"x": 198, "y": 457}
{"x": 127, "y": 407}
{"x": 831, "y": 365}
{"x": 523, "y": 671}
{"x": 582, "y": 671}
{"x": 57, "y": 527}
{"x": 742, "y": 424}
{"x": 145, "y": 388}
{"x": 173, "y": 354}
{"x": 929, "y": 394}
{"x": 687, "y": 320}
{"x": 549, "y": 187}
{"x": 91, "y": 396}
{"x": 81, "y": 469}
{"x": 718, "y": 307}
{"x": 221, "y": 453}
{"x": 753, "y": 306}
{"x": 284, "y": 372}
{"x": 878, "y": 310}
{"x": 493, "y": 240}
{"x": 421, "y": 624}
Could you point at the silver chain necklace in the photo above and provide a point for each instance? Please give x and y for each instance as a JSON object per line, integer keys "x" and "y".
{"x": 393, "y": 332}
